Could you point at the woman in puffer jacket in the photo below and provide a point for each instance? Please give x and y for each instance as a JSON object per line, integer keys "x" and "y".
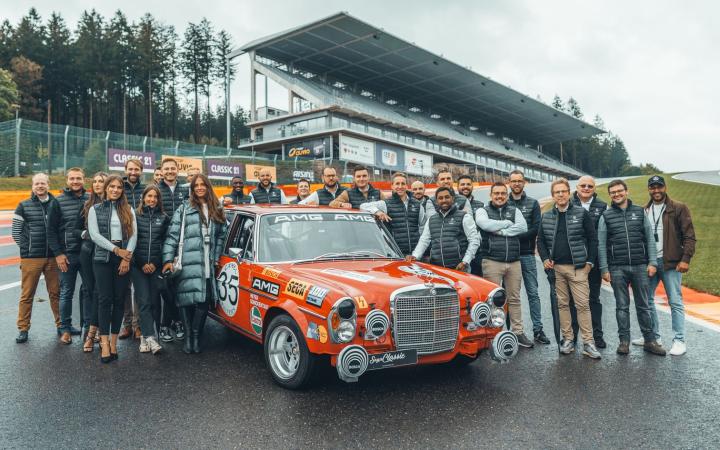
{"x": 204, "y": 231}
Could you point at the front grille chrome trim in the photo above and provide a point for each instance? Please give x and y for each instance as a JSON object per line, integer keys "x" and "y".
{"x": 425, "y": 318}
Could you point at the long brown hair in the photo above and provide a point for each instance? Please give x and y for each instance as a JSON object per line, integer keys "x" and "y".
{"x": 122, "y": 206}
{"x": 94, "y": 198}
{"x": 215, "y": 212}
{"x": 150, "y": 187}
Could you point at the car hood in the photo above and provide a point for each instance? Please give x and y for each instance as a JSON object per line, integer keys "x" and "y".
{"x": 376, "y": 280}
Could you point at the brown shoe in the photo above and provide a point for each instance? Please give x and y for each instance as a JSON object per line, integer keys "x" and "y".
{"x": 125, "y": 333}
{"x": 654, "y": 348}
{"x": 138, "y": 333}
{"x": 623, "y": 348}
{"x": 66, "y": 338}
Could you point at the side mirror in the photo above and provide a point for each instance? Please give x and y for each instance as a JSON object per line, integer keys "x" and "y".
{"x": 234, "y": 252}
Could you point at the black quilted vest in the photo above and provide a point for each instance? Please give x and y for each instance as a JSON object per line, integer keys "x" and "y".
{"x": 357, "y": 198}
{"x": 575, "y": 233}
{"x": 133, "y": 193}
{"x": 69, "y": 206}
{"x": 448, "y": 241}
{"x": 325, "y": 196}
{"x": 34, "y": 238}
{"x": 526, "y": 205}
{"x": 405, "y": 222}
{"x": 238, "y": 198}
{"x": 171, "y": 201}
{"x": 151, "y": 228}
{"x": 597, "y": 208}
{"x": 103, "y": 213}
{"x": 272, "y": 195}
{"x": 500, "y": 248}
{"x": 625, "y": 235}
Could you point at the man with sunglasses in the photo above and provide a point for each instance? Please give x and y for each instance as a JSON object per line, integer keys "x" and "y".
{"x": 628, "y": 257}
{"x": 586, "y": 197}
{"x": 675, "y": 239}
{"x": 237, "y": 195}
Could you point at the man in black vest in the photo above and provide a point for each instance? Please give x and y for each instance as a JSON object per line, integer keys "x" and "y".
{"x": 329, "y": 192}
{"x": 237, "y": 195}
{"x": 451, "y": 234}
{"x": 65, "y": 245}
{"x": 362, "y": 192}
{"x": 418, "y": 192}
{"x": 628, "y": 257}
{"x": 30, "y": 228}
{"x": 173, "y": 195}
{"x": 303, "y": 191}
{"x": 465, "y": 188}
{"x": 586, "y": 197}
{"x": 500, "y": 225}
{"x": 157, "y": 175}
{"x": 445, "y": 179}
{"x": 403, "y": 214}
{"x": 530, "y": 209}
{"x": 568, "y": 244}
{"x": 266, "y": 191}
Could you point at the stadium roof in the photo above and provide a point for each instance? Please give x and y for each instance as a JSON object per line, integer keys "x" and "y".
{"x": 344, "y": 48}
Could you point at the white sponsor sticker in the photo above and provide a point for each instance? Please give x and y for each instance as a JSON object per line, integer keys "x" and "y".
{"x": 350, "y": 275}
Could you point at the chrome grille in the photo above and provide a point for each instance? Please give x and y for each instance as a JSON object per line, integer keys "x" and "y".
{"x": 426, "y": 322}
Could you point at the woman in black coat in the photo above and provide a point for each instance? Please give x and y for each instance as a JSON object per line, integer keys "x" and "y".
{"x": 86, "y": 264}
{"x": 152, "y": 224}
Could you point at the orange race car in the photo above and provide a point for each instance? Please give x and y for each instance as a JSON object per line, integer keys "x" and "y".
{"x": 309, "y": 282}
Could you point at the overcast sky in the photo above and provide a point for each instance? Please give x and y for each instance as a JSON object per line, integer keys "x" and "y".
{"x": 649, "y": 68}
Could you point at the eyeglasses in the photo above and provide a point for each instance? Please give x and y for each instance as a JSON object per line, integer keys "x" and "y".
{"x": 586, "y": 186}
{"x": 517, "y": 181}
{"x": 500, "y": 194}
{"x": 564, "y": 191}
{"x": 614, "y": 193}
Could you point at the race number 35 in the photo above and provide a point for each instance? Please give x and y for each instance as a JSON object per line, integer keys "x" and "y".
{"x": 228, "y": 291}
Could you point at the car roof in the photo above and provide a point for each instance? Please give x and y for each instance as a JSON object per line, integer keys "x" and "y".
{"x": 261, "y": 209}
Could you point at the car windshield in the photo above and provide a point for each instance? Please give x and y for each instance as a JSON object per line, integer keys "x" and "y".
{"x": 317, "y": 236}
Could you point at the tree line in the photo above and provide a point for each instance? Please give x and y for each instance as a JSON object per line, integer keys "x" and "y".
{"x": 113, "y": 74}
{"x": 601, "y": 156}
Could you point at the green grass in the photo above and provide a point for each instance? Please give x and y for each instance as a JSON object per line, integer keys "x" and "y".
{"x": 703, "y": 201}
{"x": 25, "y": 183}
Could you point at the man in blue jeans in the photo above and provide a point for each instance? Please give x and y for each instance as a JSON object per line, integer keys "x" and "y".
{"x": 675, "y": 240}
{"x": 628, "y": 257}
{"x": 530, "y": 209}
{"x": 65, "y": 244}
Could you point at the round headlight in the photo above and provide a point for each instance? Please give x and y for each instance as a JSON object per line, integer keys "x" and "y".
{"x": 497, "y": 297}
{"x": 346, "y": 309}
{"x": 345, "y": 331}
{"x": 497, "y": 318}
{"x": 480, "y": 314}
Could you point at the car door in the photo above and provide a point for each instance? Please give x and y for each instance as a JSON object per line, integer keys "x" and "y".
{"x": 235, "y": 277}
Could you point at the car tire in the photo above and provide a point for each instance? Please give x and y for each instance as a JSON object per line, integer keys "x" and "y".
{"x": 293, "y": 367}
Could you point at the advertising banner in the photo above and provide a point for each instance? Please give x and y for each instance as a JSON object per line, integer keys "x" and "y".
{"x": 184, "y": 164}
{"x": 116, "y": 159}
{"x": 418, "y": 163}
{"x": 307, "y": 174}
{"x": 252, "y": 172}
{"x": 313, "y": 149}
{"x": 357, "y": 150}
{"x": 223, "y": 170}
{"x": 389, "y": 157}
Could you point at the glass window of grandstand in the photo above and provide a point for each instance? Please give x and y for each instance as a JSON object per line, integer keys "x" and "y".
{"x": 339, "y": 122}
{"x": 419, "y": 142}
{"x": 446, "y": 149}
{"x": 377, "y": 131}
{"x": 434, "y": 146}
{"x": 391, "y": 134}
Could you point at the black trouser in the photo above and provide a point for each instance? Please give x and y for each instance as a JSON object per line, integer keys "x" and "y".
{"x": 111, "y": 288}
{"x": 476, "y": 265}
{"x": 147, "y": 297}
{"x": 89, "y": 298}
{"x": 169, "y": 307}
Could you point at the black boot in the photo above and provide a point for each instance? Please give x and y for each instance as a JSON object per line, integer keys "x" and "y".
{"x": 185, "y": 317}
{"x": 197, "y": 326}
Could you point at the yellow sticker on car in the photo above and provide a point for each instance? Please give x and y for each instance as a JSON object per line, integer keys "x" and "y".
{"x": 361, "y": 302}
{"x": 296, "y": 288}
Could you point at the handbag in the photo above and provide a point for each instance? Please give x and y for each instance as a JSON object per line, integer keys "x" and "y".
{"x": 177, "y": 262}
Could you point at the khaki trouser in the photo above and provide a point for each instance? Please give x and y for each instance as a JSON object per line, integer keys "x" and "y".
{"x": 508, "y": 275}
{"x": 569, "y": 280}
{"x": 31, "y": 269}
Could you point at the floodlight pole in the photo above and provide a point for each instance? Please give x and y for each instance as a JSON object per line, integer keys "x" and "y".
{"x": 232, "y": 55}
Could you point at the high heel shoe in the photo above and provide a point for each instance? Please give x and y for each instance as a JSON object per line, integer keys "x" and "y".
{"x": 105, "y": 359}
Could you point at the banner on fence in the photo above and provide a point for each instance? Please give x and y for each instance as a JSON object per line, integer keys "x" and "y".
{"x": 389, "y": 157}
{"x": 418, "y": 163}
{"x": 312, "y": 149}
{"x": 252, "y": 172}
{"x": 185, "y": 164}
{"x": 357, "y": 150}
{"x": 223, "y": 170}
{"x": 116, "y": 159}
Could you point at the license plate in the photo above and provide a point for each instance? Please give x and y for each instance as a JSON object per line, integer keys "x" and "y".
{"x": 392, "y": 359}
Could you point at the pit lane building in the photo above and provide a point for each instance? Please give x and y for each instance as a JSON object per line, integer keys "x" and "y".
{"x": 361, "y": 95}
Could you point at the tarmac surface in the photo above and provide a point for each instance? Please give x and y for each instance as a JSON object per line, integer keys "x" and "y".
{"x": 706, "y": 177}
{"x": 57, "y": 396}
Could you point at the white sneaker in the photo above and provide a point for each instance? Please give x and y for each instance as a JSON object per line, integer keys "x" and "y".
{"x": 144, "y": 346}
{"x": 678, "y": 348}
{"x": 641, "y": 341}
{"x": 153, "y": 345}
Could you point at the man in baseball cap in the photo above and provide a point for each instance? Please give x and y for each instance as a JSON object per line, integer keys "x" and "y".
{"x": 675, "y": 241}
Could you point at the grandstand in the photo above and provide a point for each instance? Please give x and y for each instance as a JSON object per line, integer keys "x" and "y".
{"x": 361, "y": 95}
